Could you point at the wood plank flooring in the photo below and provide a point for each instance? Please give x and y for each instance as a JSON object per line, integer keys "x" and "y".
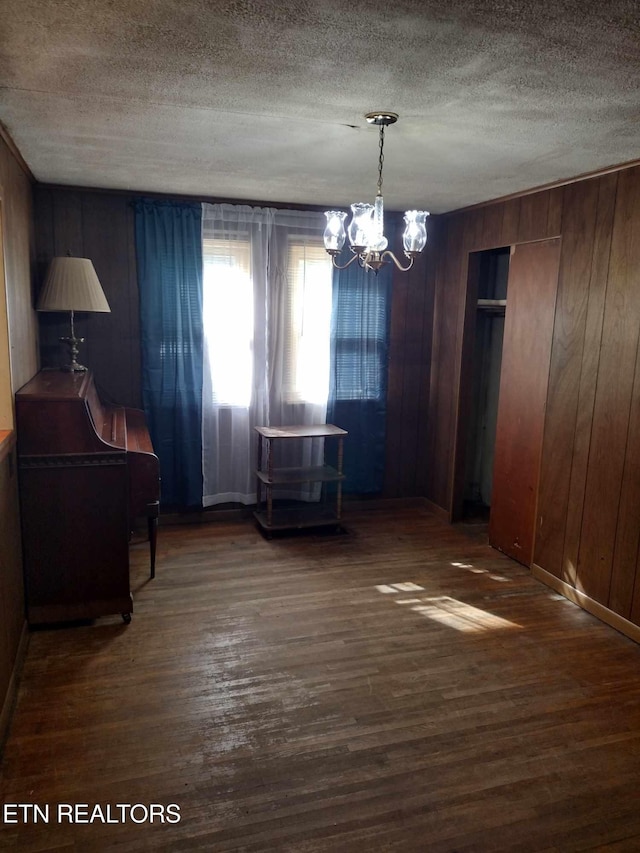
{"x": 402, "y": 687}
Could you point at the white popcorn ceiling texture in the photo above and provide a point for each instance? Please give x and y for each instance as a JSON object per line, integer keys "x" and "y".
{"x": 265, "y": 101}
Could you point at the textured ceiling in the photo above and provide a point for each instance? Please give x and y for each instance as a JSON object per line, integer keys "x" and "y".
{"x": 265, "y": 101}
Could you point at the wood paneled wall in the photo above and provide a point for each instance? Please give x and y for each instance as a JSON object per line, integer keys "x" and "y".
{"x": 12, "y": 616}
{"x": 408, "y": 379}
{"x": 17, "y": 222}
{"x": 100, "y": 226}
{"x": 587, "y": 534}
{"x": 18, "y": 363}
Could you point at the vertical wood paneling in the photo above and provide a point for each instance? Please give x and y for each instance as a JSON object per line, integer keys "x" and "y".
{"x": 628, "y": 530}
{"x": 510, "y": 222}
{"x": 474, "y": 230}
{"x": 11, "y": 584}
{"x": 17, "y": 247}
{"x": 11, "y": 601}
{"x": 17, "y": 223}
{"x": 439, "y": 293}
{"x": 134, "y": 310}
{"x": 98, "y": 226}
{"x": 613, "y": 396}
{"x": 67, "y": 223}
{"x": 44, "y": 237}
{"x": 66, "y": 228}
{"x": 411, "y": 390}
{"x": 7, "y": 416}
{"x": 470, "y": 236}
{"x": 554, "y": 218}
{"x": 416, "y": 462}
{"x": 625, "y": 256}
{"x": 421, "y": 461}
{"x": 579, "y": 218}
{"x": 395, "y": 384}
{"x": 105, "y": 228}
{"x": 534, "y": 214}
{"x": 492, "y": 218}
{"x": 449, "y": 299}
{"x": 635, "y": 606}
{"x": 588, "y": 373}
{"x": 48, "y": 344}
{"x": 528, "y": 332}
{"x": 466, "y": 385}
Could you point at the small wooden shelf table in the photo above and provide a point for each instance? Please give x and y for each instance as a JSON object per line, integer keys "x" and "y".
{"x": 268, "y": 477}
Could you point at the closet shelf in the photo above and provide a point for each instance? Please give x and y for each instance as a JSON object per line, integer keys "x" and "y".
{"x": 490, "y": 305}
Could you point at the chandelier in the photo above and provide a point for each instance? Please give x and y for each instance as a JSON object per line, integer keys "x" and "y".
{"x": 366, "y": 229}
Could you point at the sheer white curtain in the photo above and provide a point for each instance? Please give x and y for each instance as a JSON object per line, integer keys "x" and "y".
{"x": 267, "y": 305}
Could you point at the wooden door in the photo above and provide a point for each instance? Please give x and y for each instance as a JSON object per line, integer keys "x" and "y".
{"x": 526, "y": 353}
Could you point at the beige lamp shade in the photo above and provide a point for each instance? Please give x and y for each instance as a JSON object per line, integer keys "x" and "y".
{"x": 72, "y": 285}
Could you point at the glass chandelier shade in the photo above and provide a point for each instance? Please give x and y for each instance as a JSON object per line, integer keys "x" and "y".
{"x": 366, "y": 228}
{"x": 414, "y": 238}
{"x": 334, "y": 233}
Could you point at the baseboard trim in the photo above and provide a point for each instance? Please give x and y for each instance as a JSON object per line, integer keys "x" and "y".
{"x": 239, "y": 513}
{"x": 12, "y": 688}
{"x": 614, "y": 620}
{"x": 440, "y": 512}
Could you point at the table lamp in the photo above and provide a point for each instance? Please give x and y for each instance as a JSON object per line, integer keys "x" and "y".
{"x": 72, "y": 285}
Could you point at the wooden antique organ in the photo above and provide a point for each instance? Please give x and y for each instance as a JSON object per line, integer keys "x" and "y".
{"x": 87, "y": 470}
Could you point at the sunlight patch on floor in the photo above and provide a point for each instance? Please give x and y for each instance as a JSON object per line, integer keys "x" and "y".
{"x": 399, "y": 587}
{"x": 446, "y": 610}
{"x": 456, "y": 614}
{"x": 477, "y": 571}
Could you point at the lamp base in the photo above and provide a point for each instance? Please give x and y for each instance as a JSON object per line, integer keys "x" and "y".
{"x": 73, "y": 366}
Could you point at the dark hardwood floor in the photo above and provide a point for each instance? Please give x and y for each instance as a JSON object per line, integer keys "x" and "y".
{"x": 402, "y": 687}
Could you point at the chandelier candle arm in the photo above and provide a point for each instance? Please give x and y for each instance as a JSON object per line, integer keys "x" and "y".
{"x": 338, "y": 266}
{"x": 393, "y": 258}
{"x": 366, "y": 228}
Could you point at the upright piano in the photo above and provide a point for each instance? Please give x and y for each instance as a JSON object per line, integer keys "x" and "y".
{"x": 87, "y": 470}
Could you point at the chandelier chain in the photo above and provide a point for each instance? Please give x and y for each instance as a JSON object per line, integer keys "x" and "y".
{"x": 380, "y": 159}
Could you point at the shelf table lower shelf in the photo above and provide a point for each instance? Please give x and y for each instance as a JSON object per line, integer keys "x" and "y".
{"x": 298, "y": 518}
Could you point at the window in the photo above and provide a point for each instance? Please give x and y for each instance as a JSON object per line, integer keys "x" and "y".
{"x": 228, "y": 320}
{"x": 267, "y": 312}
{"x": 307, "y": 323}
{"x": 361, "y": 339}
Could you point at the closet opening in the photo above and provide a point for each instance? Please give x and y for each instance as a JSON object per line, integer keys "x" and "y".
{"x": 488, "y": 279}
